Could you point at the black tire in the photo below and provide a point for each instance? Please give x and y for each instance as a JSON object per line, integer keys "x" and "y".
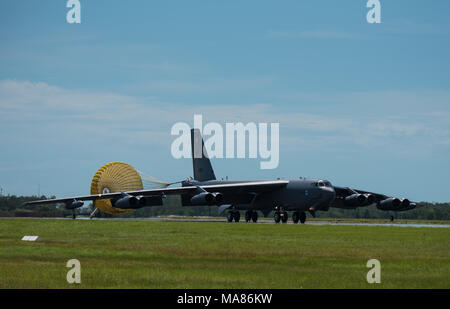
{"x": 230, "y": 216}
{"x": 254, "y": 216}
{"x": 295, "y": 217}
{"x": 285, "y": 217}
{"x": 277, "y": 217}
{"x": 237, "y": 216}
{"x": 248, "y": 216}
{"x": 302, "y": 217}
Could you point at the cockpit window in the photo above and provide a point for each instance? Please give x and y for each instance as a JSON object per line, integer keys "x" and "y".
{"x": 322, "y": 183}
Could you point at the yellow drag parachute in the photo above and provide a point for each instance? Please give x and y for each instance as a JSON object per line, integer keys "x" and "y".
{"x": 120, "y": 177}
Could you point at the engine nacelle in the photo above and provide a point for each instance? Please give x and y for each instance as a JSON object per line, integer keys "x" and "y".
{"x": 127, "y": 202}
{"x": 134, "y": 202}
{"x": 370, "y": 199}
{"x": 355, "y": 200}
{"x": 74, "y": 204}
{"x": 218, "y": 198}
{"x": 393, "y": 203}
{"x": 409, "y": 207}
{"x": 207, "y": 198}
{"x": 405, "y": 203}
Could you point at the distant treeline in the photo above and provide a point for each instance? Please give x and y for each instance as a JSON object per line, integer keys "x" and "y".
{"x": 11, "y": 206}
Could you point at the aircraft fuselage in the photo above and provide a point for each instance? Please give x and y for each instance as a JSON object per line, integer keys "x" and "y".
{"x": 299, "y": 195}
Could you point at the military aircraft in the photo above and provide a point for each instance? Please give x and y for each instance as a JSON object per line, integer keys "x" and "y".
{"x": 298, "y": 196}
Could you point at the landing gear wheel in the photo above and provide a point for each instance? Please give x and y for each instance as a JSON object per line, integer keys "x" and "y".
{"x": 302, "y": 217}
{"x": 255, "y": 216}
{"x": 284, "y": 217}
{"x": 295, "y": 217}
{"x": 277, "y": 217}
{"x": 237, "y": 216}
{"x": 248, "y": 216}
{"x": 230, "y": 216}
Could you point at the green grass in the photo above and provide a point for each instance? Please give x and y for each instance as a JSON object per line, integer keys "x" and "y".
{"x": 149, "y": 254}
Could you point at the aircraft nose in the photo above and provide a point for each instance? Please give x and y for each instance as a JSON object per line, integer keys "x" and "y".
{"x": 329, "y": 193}
{"x": 327, "y": 196}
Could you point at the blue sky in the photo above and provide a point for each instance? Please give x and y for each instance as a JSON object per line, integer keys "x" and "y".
{"x": 363, "y": 105}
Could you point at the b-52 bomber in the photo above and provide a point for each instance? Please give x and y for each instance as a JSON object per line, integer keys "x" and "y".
{"x": 299, "y": 196}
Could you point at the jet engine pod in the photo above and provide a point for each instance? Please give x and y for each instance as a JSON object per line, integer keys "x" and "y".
{"x": 370, "y": 199}
{"x": 134, "y": 202}
{"x": 405, "y": 203}
{"x": 355, "y": 200}
{"x": 218, "y": 197}
{"x": 127, "y": 202}
{"x": 391, "y": 203}
{"x": 409, "y": 207}
{"x": 74, "y": 204}
{"x": 207, "y": 198}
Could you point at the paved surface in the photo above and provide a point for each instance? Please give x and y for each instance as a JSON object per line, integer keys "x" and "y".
{"x": 264, "y": 221}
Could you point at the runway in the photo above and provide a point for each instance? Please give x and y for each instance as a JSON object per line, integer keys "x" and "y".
{"x": 339, "y": 222}
{"x": 269, "y": 221}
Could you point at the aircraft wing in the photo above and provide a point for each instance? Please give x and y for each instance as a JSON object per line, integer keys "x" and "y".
{"x": 347, "y": 197}
{"x": 246, "y": 187}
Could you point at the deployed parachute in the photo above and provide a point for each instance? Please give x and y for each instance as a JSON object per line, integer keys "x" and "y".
{"x": 121, "y": 177}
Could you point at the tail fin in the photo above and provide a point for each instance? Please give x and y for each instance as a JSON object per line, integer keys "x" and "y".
{"x": 202, "y": 166}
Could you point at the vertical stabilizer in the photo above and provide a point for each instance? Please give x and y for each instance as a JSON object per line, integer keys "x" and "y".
{"x": 202, "y": 166}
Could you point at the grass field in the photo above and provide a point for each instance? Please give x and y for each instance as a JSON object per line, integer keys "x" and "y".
{"x": 153, "y": 254}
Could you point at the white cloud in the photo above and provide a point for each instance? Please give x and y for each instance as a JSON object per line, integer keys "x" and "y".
{"x": 28, "y": 109}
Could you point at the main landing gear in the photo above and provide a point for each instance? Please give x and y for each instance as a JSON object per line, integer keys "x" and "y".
{"x": 298, "y": 216}
{"x": 251, "y": 215}
{"x": 233, "y": 215}
{"x": 280, "y": 215}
